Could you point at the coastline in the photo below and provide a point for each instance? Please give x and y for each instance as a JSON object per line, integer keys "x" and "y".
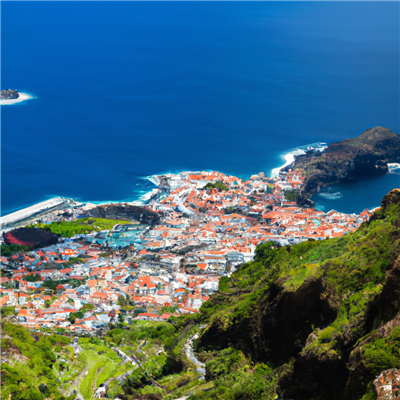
{"x": 145, "y": 196}
{"x": 26, "y": 212}
{"x": 289, "y": 156}
{"x": 22, "y": 97}
{"x": 289, "y": 159}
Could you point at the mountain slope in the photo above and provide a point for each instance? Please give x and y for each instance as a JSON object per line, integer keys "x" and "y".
{"x": 323, "y": 315}
{"x": 317, "y": 320}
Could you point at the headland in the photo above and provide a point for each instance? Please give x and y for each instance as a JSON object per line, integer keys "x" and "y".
{"x": 370, "y": 154}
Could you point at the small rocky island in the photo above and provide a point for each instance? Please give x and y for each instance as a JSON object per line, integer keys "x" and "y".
{"x": 9, "y": 94}
{"x": 365, "y": 155}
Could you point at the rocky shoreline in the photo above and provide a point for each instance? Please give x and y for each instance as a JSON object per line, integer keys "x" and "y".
{"x": 365, "y": 155}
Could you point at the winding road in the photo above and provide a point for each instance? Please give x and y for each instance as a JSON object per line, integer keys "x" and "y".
{"x": 201, "y": 367}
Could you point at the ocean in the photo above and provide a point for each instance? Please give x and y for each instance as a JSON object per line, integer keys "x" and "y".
{"x": 123, "y": 90}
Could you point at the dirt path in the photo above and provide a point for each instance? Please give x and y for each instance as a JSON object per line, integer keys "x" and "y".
{"x": 94, "y": 383}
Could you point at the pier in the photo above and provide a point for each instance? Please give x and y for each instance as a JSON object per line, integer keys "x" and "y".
{"x": 33, "y": 210}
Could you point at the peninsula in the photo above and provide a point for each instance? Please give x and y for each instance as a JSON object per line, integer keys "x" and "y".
{"x": 365, "y": 155}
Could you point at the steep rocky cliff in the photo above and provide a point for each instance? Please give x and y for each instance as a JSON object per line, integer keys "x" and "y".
{"x": 365, "y": 155}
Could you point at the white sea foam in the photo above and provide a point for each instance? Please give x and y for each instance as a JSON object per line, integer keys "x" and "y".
{"x": 148, "y": 195}
{"x": 153, "y": 179}
{"x": 290, "y": 156}
{"x": 137, "y": 203}
{"x": 331, "y": 196}
{"x": 22, "y": 97}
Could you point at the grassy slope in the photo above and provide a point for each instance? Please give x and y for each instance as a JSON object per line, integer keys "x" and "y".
{"x": 51, "y": 360}
{"x": 352, "y": 269}
{"x": 100, "y": 363}
{"x": 27, "y": 363}
{"x": 159, "y": 347}
{"x": 81, "y": 226}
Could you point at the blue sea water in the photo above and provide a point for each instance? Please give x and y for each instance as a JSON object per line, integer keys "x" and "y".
{"x": 124, "y": 90}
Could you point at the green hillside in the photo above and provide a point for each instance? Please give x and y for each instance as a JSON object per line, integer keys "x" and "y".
{"x": 317, "y": 320}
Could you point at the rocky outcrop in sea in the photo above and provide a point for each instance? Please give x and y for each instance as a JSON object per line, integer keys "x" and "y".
{"x": 365, "y": 155}
{"x": 9, "y": 94}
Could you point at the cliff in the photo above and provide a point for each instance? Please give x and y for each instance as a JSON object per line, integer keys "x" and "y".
{"x": 365, "y": 155}
{"x": 321, "y": 317}
{"x": 8, "y": 94}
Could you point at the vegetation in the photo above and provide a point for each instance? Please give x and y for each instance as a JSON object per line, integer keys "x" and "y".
{"x": 31, "y": 278}
{"x": 233, "y": 210}
{"x": 350, "y": 271}
{"x": 168, "y": 309}
{"x": 7, "y": 250}
{"x": 274, "y": 328}
{"x": 73, "y": 260}
{"x": 81, "y": 226}
{"x": 234, "y": 377}
{"x": 50, "y": 284}
{"x": 124, "y": 301}
{"x": 217, "y": 185}
{"x": 291, "y": 195}
{"x": 26, "y": 368}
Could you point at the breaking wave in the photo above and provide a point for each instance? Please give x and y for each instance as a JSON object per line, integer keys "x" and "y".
{"x": 289, "y": 157}
{"x": 331, "y": 196}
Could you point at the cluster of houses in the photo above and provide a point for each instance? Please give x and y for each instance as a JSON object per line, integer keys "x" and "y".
{"x": 206, "y": 231}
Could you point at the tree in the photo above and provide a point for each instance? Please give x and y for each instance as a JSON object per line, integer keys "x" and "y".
{"x": 32, "y": 278}
{"x": 7, "y": 250}
{"x": 47, "y": 304}
{"x": 168, "y": 309}
{"x": 87, "y": 307}
{"x": 122, "y": 300}
{"x": 217, "y": 185}
{"x": 291, "y": 195}
{"x": 121, "y": 318}
{"x": 138, "y": 310}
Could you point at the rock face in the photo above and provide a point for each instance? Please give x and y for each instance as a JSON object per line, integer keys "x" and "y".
{"x": 9, "y": 94}
{"x": 35, "y": 237}
{"x": 365, "y": 155}
{"x": 391, "y": 198}
{"x": 280, "y": 326}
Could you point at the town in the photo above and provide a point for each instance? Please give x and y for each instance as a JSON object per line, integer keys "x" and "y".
{"x": 209, "y": 225}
